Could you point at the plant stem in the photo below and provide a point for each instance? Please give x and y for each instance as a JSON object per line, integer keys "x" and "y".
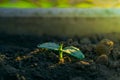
{"x": 61, "y": 54}
{"x": 60, "y": 51}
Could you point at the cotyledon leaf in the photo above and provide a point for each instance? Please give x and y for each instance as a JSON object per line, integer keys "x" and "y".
{"x": 49, "y": 45}
{"x": 73, "y": 51}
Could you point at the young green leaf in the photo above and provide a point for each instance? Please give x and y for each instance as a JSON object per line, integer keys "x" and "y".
{"x": 73, "y": 51}
{"x": 49, "y": 45}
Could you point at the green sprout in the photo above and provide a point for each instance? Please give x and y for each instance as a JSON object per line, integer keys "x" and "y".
{"x": 71, "y": 50}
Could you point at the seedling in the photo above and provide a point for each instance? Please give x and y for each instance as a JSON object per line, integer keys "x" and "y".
{"x": 71, "y": 50}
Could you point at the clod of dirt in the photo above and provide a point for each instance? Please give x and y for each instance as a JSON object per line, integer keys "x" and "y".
{"x": 85, "y": 41}
{"x": 85, "y": 63}
{"x": 71, "y": 42}
{"x": 114, "y": 64}
{"x": 8, "y": 70}
{"x": 2, "y": 58}
{"x": 104, "y": 47}
{"x": 81, "y": 65}
{"x": 102, "y": 59}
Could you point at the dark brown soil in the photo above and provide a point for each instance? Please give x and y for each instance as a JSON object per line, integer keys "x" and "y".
{"x": 20, "y": 59}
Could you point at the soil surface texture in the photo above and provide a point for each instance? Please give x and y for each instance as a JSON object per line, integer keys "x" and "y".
{"x": 20, "y": 59}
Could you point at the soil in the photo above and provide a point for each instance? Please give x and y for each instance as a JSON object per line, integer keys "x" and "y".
{"x": 20, "y": 59}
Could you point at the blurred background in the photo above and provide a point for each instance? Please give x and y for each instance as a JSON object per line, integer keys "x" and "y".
{"x": 68, "y": 17}
{"x": 59, "y": 3}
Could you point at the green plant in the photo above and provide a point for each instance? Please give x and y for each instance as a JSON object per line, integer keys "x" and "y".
{"x": 71, "y": 50}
